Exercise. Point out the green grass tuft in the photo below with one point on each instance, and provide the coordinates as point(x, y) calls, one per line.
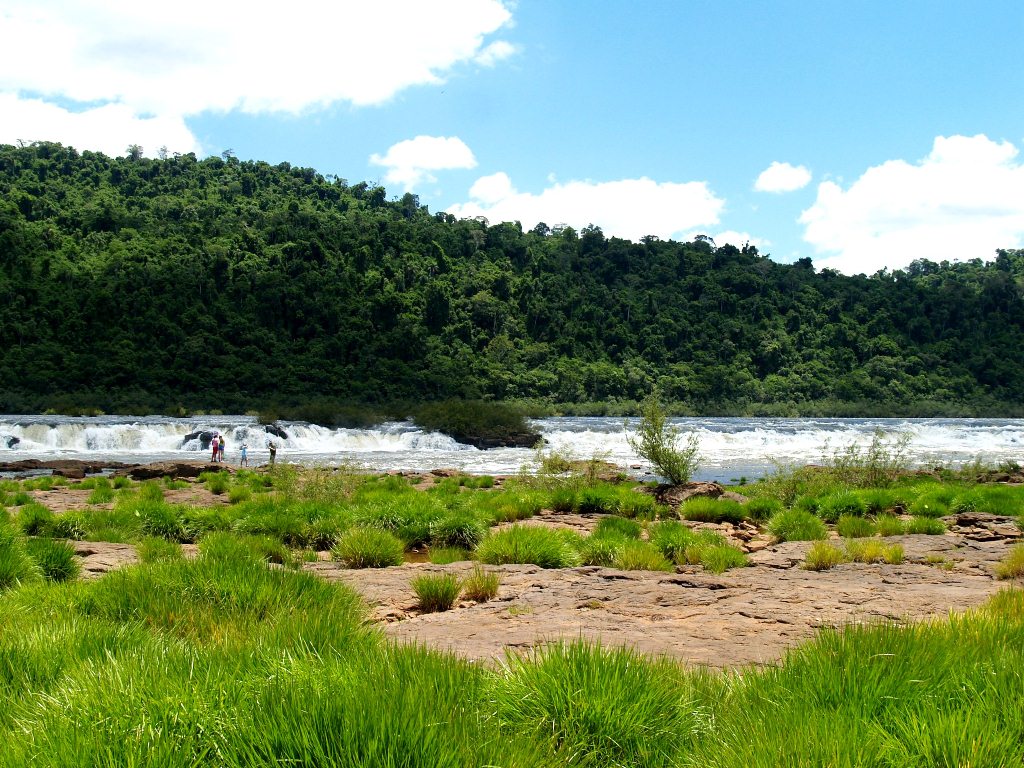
point(1012, 565)
point(797, 525)
point(481, 585)
point(823, 556)
point(528, 544)
point(368, 548)
point(56, 559)
point(436, 592)
point(850, 527)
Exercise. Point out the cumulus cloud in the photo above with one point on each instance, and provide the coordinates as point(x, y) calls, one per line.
point(110, 128)
point(409, 162)
point(782, 177)
point(962, 201)
point(174, 60)
point(629, 208)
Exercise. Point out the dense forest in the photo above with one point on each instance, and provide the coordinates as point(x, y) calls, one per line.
point(133, 284)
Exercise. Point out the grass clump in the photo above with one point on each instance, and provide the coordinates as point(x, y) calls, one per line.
point(436, 592)
point(760, 508)
point(35, 520)
point(640, 556)
point(368, 548)
point(889, 525)
point(874, 551)
point(153, 549)
point(823, 556)
point(708, 510)
point(56, 559)
point(70, 525)
point(1012, 565)
point(595, 706)
point(925, 525)
point(835, 505)
point(216, 482)
point(528, 544)
point(481, 585)
point(448, 555)
point(16, 566)
point(797, 525)
point(851, 527)
point(461, 530)
point(618, 526)
point(598, 499)
point(721, 557)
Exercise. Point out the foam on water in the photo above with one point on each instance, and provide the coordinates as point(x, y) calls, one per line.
point(730, 447)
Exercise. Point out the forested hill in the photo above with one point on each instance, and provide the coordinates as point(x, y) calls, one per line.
point(131, 283)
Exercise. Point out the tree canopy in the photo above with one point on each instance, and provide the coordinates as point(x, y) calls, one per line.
point(135, 283)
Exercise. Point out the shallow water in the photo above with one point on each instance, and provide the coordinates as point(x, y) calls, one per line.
point(730, 447)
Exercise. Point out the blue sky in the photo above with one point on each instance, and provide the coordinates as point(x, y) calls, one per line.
point(860, 134)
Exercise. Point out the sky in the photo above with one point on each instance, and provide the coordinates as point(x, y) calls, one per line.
point(863, 134)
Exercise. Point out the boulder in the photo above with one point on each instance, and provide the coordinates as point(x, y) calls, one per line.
point(9, 440)
point(203, 436)
point(273, 429)
point(173, 469)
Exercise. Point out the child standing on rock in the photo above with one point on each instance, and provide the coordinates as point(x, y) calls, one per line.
point(215, 447)
point(243, 459)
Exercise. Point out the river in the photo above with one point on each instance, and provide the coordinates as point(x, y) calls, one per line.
point(731, 448)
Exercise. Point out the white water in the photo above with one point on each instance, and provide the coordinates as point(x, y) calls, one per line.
point(730, 447)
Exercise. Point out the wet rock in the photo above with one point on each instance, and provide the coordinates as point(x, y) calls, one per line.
point(173, 469)
point(70, 468)
point(9, 440)
point(203, 436)
point(674, 495)
point(276, 431)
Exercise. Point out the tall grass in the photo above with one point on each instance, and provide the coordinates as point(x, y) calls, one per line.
point(528, 544)
point(436, 592)
point(796, 525)
point(368, 548)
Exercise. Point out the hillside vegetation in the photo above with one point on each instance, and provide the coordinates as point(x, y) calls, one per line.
point(133, 284)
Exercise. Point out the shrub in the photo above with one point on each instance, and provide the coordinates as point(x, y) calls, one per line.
point(368, 548)
point(710, 510)
point(797, 525)
point(460, 530)
point(889, 525)
point(823, 556)
point(447, 555)
point(843, 503)
point(35, 520)
point(436, 592)
point(528, 544)
point(851, 527)
point(56, 559)
point(640, 556)
point(153, 549)
point(762, 507)
point(1012, 565)
point(926, 525)
point(661, 443)
point(481, 585)
point(618, 526)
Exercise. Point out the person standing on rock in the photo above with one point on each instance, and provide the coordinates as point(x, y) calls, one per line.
point(220, 448)
point(273, 452)
point(214, 446)
point(243, 459)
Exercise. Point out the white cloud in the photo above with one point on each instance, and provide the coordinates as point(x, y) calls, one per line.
point(782, 177)
point(962, 201)
point(630, 208)
point(409, 162)
point(190, 56)
point(174, 60)
point(110, 128)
